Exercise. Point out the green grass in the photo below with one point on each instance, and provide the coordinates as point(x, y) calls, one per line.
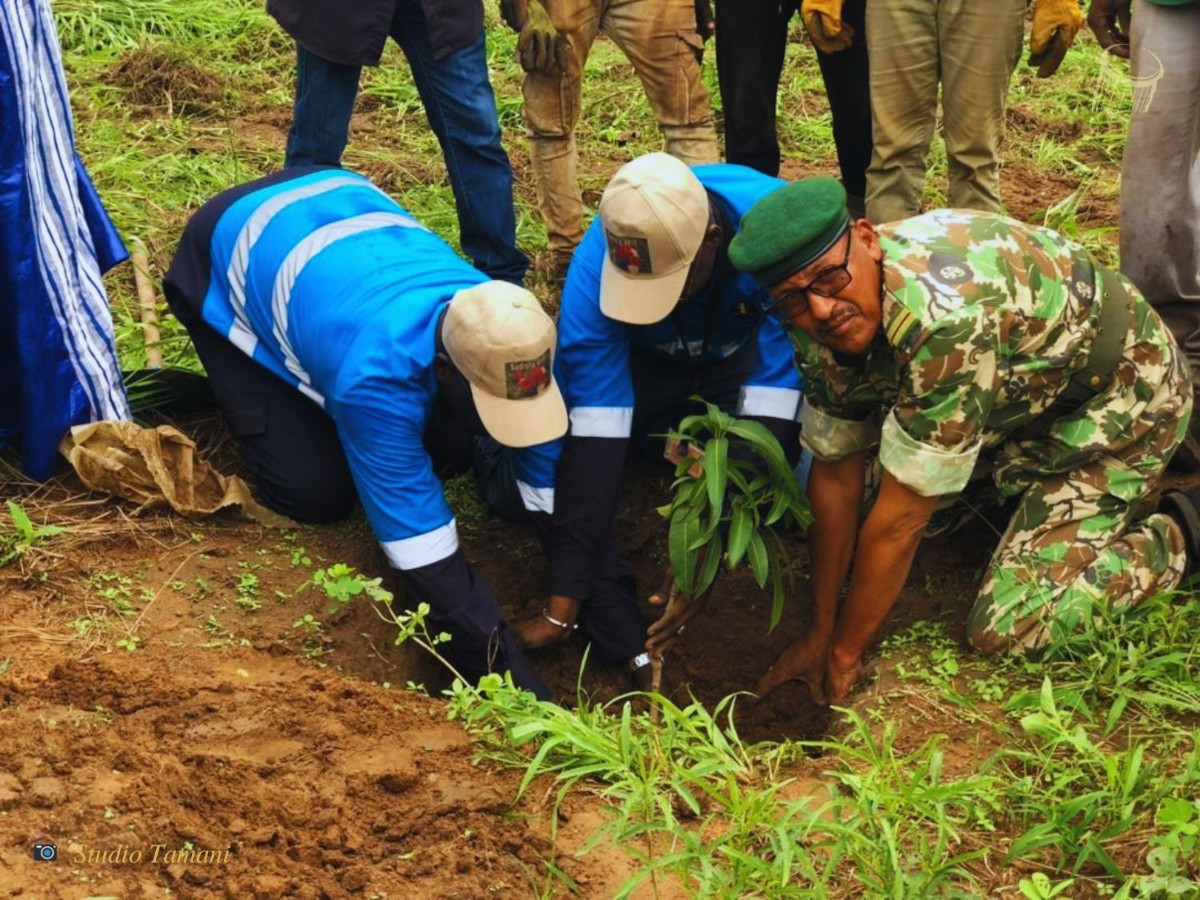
point(1092, 781)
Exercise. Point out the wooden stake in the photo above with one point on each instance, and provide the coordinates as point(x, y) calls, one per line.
point(147, 303)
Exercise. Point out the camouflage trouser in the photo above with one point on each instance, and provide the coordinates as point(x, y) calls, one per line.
point(1072, 548)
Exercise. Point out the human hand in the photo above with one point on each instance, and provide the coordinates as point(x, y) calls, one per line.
point(678, 611)
point(1055, 24)
point(705, 23)
point(514, 13)
point(553, 625)
point(806, 660)
point(823, 19)
point(1109, 21)
point(541, 47)
point(840, 677)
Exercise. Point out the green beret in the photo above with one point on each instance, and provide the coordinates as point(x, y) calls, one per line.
point(789, 228)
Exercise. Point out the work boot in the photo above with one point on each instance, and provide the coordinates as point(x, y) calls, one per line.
point(1184, 508)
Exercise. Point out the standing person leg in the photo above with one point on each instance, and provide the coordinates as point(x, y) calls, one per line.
point(325, 93)
point(751, 39)
point(659, 38)
point(902, 42)
point(1160, 179)
point(461, 108)
point(551, 109)
point(980, 46)
point(847, 77)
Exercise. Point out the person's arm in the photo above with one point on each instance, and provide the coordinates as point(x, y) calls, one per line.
point(835, 491)
point(930, 443)
point(380, 421)
point(592, 370)
point(886, 546)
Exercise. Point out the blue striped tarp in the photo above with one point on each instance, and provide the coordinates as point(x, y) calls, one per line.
point(58, 363)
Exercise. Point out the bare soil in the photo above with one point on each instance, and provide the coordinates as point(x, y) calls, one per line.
point(302, 754)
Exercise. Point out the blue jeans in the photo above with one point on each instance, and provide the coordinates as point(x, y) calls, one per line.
point(462, 113)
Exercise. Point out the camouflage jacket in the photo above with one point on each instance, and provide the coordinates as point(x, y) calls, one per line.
point(985, 319)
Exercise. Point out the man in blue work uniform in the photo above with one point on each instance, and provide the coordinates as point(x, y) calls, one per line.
point(652, 313)
point(340, 335)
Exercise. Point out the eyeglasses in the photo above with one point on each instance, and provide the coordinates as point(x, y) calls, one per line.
point(828, 283)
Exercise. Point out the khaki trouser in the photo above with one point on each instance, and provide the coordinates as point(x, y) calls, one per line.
point(1160, 180)
point(659, 38)
point(972, 46)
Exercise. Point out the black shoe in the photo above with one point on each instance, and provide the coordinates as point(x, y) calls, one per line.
point(1184, 508)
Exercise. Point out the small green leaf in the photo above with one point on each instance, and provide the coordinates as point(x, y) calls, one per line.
point(716, 454)
point(21, 522)
point(757, 551)
point(741, 527)
point(708, 569)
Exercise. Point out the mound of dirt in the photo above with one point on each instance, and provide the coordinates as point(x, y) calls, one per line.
point(251, 777)
point(163, 78)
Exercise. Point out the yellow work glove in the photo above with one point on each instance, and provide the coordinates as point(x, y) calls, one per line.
point(541, 47)
point(823, 19)
point(1055, 24)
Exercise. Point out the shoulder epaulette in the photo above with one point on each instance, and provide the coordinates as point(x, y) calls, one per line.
point(901, 326)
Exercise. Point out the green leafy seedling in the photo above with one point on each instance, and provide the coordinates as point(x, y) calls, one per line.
point(733, 510)
point(25, 534)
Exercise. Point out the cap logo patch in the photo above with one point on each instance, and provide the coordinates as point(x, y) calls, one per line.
point(527, 378)
point(629, 254)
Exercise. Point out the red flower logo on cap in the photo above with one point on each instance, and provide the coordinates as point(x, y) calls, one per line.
point(527, 378)
point(629, 254)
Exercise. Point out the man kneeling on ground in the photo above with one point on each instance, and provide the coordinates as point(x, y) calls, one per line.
point(950, 336)
point(343, 340)
point(652, 314)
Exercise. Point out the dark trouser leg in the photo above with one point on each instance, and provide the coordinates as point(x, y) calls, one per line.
point(751, 38)
point(325, 93)
point(662, 390)
point(288, 443)
point(609, 618)
point(847, 84)
point(461, 108)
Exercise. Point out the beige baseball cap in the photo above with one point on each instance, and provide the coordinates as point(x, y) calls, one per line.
point(501, 339)
point(654, 214)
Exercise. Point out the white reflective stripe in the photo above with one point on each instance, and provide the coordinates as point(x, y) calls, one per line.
point(602, 421)
point(770, 402)
point(243, 338)
point(301, 255)
point(239, 260)
point(536, 499)
point(422, 549)
point(312, 394)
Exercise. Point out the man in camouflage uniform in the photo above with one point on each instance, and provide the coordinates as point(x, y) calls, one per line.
point(941, 338)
